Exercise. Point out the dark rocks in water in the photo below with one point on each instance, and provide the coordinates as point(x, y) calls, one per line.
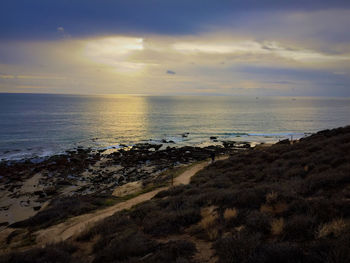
point(184, 135)
point(82, 150)
point(145, 147)
point(243, 145)
point(157, 146)
point(165, 141)
point(236, 145)
point(213, 138)
point(228, 144)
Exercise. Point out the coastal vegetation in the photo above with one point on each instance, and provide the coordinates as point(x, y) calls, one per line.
point(289, 202)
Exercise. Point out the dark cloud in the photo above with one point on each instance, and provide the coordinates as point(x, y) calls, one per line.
point(41, 18)
point(170, 72)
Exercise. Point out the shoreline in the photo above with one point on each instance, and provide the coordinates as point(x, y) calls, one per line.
point(28, 188)
point(36, 153)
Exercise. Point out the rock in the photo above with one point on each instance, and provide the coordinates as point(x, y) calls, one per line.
point(51, 190)
point(24, 203)
point(38, 193)
point(36, 208)
point(4, 224)
point(229, 144)
point(213, 138)
point(63, 182)
point(121, 179)
point(184, 135)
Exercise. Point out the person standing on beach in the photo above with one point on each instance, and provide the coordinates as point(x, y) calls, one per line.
point(212, 156)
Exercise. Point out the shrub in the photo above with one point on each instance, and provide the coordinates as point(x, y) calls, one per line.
point(279, 253)
point(230, 213)
point(239, 247)
point(274, 209)
point(124, 246)
point(57, 253)
point(277, 226)
point(271, 198)
point(299, 228)
point(179, 251)
point(258, 222)
point(160, 223)
point(115, 223)
point(334, 228)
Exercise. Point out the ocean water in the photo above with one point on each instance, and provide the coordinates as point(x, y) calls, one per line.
point(34, 125)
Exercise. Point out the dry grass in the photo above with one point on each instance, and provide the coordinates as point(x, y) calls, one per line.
point(271, 197)
point(213, 233)
point(274, 209)
point(335, 228)
point(230, 213)
point(277, 226)
point(239, 228)
point(208, 222)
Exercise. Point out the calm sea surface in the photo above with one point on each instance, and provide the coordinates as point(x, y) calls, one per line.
point(39, 125)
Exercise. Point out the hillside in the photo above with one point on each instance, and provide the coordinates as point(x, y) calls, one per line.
point(284, 203)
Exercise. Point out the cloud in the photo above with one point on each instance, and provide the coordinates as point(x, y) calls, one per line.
point(170, 72)
point(256, 48)
point(135, 65)
point(62, 32)
point(60, 29)
point(6, 76)
point(37, 18)
point(114, 51)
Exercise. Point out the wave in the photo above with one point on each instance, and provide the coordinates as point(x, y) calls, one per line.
point(244, 134)
point(107, 145)
point(35, 155)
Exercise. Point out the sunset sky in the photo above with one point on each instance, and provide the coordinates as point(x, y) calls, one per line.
point(182, 47)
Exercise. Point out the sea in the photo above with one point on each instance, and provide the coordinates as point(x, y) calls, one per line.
point(41, 125)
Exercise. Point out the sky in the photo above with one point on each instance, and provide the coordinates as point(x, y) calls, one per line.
point(183, 47)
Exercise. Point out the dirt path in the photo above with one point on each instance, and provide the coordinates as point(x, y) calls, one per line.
point(75, 225)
